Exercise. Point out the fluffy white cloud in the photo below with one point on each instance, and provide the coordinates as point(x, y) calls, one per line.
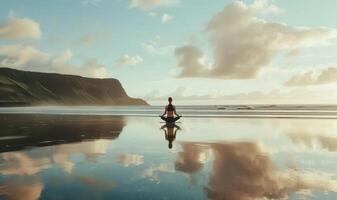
point(95, 69)
point(28, 57)
point(20, 28)
point(166, 18)
point(150, 4)
point(242, 44)
point(18, 56)
point(129, 60)
point(154, 48)
point(266, 7)
point(63, 59)
point(326, 76)
point(190, 58)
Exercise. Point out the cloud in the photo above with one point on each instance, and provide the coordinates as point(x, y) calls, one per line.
point(242, 44)
point(241, 170)
point(30, 58)
point(62, 64)
point(179, 94)
point(86, 40)
point(130, 159)
point(292, 96)
point(274, 96)
point(266, 7)
point(19, 56)
point(326, 76)
point(282, 96)
point(129, 60)
point(93, 68)
point(95, 36)
point(190, 59)
point(20, 28)
point(166, 18)
point(150, 4)
point(152, 47)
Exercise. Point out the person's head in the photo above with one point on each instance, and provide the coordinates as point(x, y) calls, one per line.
point(170, 99)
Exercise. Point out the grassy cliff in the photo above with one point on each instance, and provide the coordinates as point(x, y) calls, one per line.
point(35, 88)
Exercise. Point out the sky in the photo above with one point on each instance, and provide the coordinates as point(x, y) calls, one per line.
point(197, 51)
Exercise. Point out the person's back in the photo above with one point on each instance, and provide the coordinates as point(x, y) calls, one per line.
point(170, 108)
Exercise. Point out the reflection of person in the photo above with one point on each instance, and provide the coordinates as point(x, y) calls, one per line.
point(170, 111)
point(170, 133)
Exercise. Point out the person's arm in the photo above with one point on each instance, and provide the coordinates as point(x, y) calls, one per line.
point(165, 131)
point(175, 112)
point(175, 132)
point(164, 111)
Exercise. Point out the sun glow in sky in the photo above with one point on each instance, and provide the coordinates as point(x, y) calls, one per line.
point(198, 51)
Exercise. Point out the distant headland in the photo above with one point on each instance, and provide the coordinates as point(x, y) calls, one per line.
point(24, 88)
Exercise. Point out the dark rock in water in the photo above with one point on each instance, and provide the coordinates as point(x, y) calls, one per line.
point(244, 107)
point(221, 108)
point(236, 107)
point(35, 88)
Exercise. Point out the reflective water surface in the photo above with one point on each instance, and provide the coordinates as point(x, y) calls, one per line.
point(111, 157)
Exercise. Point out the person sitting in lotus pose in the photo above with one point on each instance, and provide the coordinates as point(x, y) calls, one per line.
point(170, 111)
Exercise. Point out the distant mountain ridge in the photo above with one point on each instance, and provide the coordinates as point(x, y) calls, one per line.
point(36, 88)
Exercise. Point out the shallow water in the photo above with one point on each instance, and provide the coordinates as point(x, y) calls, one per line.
point(129, 157)
point(210, 111)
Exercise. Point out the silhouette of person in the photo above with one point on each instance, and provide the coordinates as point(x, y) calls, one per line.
point(170, 131)
point(170, 111)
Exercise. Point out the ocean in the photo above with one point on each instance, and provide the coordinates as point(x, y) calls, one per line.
point(274, 111)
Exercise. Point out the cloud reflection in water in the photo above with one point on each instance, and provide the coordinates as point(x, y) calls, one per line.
point(241, 170)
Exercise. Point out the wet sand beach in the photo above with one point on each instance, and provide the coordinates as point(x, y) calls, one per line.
point(72, 156)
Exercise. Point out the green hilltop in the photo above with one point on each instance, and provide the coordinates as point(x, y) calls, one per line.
point(35, 88)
